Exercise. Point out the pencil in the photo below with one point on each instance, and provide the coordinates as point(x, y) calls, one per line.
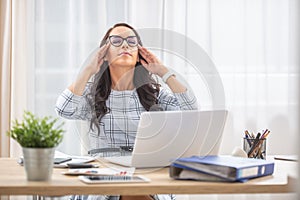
point(255, 149)
point(266, 135)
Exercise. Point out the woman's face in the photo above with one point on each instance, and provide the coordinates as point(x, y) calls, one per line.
point(123, 50)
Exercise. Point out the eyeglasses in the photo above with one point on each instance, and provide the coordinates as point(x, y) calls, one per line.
point(117, 41)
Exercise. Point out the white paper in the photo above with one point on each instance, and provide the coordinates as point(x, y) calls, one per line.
point(75, 159)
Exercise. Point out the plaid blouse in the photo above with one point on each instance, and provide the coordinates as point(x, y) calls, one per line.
point(119, 126)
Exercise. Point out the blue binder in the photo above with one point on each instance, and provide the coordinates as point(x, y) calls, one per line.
point(226, 167)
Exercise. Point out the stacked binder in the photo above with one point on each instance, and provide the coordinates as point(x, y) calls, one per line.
point(220, 168)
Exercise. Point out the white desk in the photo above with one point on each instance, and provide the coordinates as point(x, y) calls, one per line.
point(13, 182)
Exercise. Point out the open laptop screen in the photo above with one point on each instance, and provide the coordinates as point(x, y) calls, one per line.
point(168, 135)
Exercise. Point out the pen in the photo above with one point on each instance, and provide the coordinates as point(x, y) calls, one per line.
point(266, 135)
point(247, 133)
point(263, 135)
point(248, 140)
point(258, 149)
point(254, 146)
point(81, 165)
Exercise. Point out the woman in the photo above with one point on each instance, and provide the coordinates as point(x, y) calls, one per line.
point(122, 89)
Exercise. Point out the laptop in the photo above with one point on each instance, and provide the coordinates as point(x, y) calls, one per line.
point(167, 135)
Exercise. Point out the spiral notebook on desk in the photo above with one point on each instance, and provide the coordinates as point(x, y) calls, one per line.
point(165, 136)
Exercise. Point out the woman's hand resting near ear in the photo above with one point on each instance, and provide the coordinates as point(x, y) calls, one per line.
point(97, 60)
point(151, 62)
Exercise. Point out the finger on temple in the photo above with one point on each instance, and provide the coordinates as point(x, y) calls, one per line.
point(105, 47)
point(144, 63)
point(143, 50)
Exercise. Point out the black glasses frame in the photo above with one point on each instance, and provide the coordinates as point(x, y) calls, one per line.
point(129, 44)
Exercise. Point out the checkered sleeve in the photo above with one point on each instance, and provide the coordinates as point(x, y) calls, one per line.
point(71, 106)
point(177, 101)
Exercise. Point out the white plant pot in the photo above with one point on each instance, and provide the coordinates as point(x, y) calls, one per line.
point(38, 163)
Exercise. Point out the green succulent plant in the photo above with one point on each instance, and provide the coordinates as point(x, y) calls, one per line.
point(34, 132)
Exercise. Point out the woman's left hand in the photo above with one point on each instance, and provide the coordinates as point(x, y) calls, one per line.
point(152, 64)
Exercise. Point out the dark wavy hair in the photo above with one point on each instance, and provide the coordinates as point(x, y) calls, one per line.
point(146, 87)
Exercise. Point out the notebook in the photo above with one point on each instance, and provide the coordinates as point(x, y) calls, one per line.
point(165, 136)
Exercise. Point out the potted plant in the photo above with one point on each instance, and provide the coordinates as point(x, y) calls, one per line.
point(38, 137)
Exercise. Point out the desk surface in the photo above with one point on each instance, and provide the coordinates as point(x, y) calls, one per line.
point(13, 182)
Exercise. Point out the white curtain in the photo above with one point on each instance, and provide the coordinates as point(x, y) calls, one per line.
point(22, 62)
point(17, 69)
point(253, 44)
point(5, 74)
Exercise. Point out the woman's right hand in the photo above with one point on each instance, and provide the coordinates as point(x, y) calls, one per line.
point(97, 59)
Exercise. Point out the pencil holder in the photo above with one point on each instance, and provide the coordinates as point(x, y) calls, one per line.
point(255, 148)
